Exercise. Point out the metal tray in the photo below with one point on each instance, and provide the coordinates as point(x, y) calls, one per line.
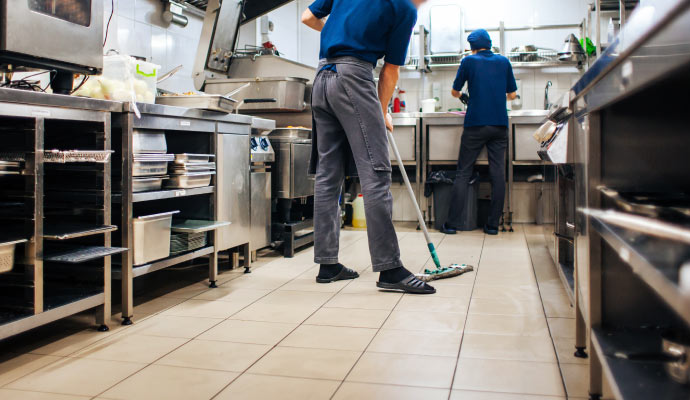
point(190, 180)
point(149, 142)
point(672, 207)
point(149, 168)
point(193, 167)
point(212, 102)
point(148, 184)
point(186, 158)
point(197, 226)
point(71, 156)
point(12, 156)
point(71, 231)
point(83, 254)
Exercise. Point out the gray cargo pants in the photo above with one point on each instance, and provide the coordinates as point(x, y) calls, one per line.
point(347, 116)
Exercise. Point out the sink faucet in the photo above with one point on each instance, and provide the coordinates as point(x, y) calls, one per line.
point(547, 103)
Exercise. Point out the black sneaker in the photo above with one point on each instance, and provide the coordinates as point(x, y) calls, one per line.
point(448, 230)
point(490, 230)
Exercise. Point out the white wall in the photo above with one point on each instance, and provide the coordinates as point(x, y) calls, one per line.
point(488, 14)
point(137, 29)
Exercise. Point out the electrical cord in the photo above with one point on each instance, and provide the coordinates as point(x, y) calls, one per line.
point(107, 27)
point(83, 81)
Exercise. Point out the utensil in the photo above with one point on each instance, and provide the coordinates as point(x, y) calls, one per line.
point(169, 74)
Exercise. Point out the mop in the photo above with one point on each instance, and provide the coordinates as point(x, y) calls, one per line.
point(429, 274)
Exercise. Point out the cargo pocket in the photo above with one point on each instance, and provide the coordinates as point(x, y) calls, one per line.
point(361, 92)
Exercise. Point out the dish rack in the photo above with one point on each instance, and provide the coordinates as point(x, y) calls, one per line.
point(184, 242)
point(62, 156)
point(537, 56)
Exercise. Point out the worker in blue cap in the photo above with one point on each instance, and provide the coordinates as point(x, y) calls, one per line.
point(491, 83)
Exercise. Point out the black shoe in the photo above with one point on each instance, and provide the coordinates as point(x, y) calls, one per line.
point(408, 285)
point(448, 230)
point(490, 230)
point(345, 273)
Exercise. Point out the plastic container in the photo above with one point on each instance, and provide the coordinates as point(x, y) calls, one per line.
point(359, 219)
point(429, 105)
point(124, 78)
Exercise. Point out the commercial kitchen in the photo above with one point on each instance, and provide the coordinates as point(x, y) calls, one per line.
point(157, 205)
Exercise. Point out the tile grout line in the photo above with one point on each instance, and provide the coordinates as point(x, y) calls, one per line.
point(467, 316)
point(377, 332)
point(289, 333)
point(553, 343)
point(190, 340)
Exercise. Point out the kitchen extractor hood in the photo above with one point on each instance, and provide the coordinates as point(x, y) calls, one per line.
point(252, 8)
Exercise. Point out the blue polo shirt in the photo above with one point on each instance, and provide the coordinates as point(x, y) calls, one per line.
point(489, 78)
point(366, 29)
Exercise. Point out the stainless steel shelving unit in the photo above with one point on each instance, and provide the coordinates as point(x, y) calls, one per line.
point(187, 131)
point(63, 268)
point(628, 289)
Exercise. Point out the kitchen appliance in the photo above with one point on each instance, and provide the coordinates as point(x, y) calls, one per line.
point(70, 39)
point(293, 188)
point(261, 155)
point(293, 152)
point(572, 50)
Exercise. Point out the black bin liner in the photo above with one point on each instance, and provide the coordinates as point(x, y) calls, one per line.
point(440, 185)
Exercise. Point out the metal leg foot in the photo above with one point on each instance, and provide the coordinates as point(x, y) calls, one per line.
point(419, 228)
point(127, 321)
point(594, 396)
point(212, 284)
point(247, 270)
point(103, 328)
point(580, 352)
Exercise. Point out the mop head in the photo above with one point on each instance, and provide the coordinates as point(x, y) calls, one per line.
point(444, 273)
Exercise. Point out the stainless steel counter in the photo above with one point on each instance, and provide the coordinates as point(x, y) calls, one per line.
point(57, 100)
point(181, 112)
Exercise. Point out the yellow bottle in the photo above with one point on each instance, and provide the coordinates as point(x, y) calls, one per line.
point(358, 218)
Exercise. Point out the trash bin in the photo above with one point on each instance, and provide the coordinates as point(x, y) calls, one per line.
point(440, 184)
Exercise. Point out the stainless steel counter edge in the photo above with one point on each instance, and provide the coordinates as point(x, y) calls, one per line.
point(181, 112)
point(57, 100)
point(516, 117)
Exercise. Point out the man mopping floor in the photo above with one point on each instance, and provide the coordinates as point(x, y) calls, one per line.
point(350, 121)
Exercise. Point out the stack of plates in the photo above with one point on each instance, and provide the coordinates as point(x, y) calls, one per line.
point(184, 242)
point(191, 171)
point(10, 167)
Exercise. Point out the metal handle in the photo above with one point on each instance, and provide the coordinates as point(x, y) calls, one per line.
point(249, 101)
point(169, 74)
point(642, 225)
point(569, 225)
point(235, 91)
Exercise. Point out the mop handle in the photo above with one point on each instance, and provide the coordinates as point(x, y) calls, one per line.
point(420, 217)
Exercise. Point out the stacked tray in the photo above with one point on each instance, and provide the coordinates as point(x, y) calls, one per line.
point(191, 171)
point(184, 242)
point(10, 167)
point(149, 171)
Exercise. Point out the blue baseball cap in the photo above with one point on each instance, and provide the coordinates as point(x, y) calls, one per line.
point(479, 39)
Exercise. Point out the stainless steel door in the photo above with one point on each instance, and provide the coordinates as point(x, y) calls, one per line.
point(405, 138)
point(525, 146)
point(233, 189)
point(302, 183)
point(444, 143)
point(260, 210)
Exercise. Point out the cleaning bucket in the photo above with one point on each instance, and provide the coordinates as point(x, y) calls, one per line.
point(358, 218)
